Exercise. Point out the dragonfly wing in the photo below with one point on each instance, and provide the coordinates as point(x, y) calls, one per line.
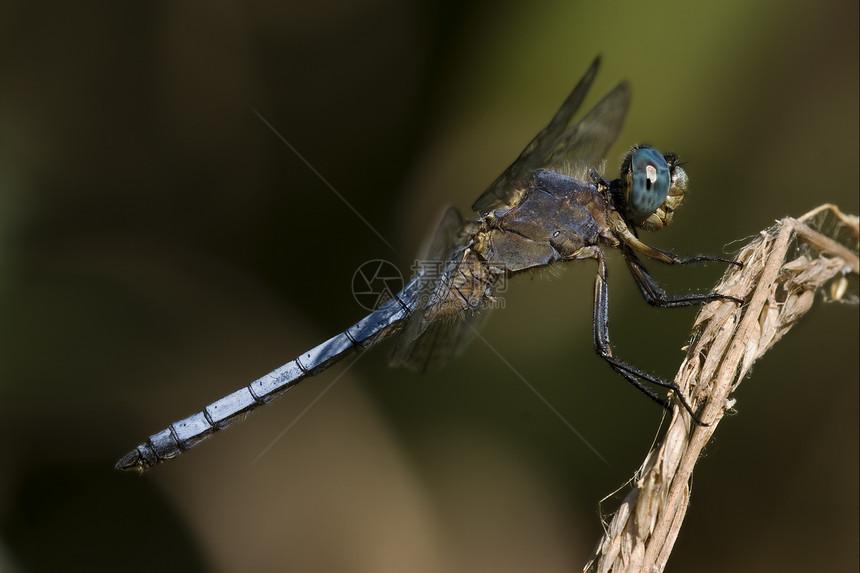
point(431, 268)
point(562, 146)
point(530, 158)
point(585, 144)
point(449, 235)
point(439, 341)
point(427, 342)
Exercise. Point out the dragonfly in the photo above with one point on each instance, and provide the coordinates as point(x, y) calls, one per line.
point(551, 205)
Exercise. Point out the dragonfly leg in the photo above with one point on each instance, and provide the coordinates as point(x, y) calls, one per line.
point(631, 243)
point(656, 296)
point(604, 348)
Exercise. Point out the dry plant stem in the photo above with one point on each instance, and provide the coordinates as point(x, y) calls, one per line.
point(727, 340)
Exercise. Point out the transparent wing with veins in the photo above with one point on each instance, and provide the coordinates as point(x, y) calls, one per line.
point(562, 146)
point(427, 342)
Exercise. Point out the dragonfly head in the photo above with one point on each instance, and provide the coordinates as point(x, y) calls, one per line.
point(653, 187)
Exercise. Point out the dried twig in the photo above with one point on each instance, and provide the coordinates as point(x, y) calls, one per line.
point(783, 269)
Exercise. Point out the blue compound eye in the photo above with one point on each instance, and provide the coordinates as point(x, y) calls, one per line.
point(650, 179)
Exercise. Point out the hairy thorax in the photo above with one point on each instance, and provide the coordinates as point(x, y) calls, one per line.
point(551, 220)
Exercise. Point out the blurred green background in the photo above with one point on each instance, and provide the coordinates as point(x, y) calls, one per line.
point(160, 247)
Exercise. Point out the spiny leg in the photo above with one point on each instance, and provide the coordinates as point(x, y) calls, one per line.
point(656, 296)
point(604, 348)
